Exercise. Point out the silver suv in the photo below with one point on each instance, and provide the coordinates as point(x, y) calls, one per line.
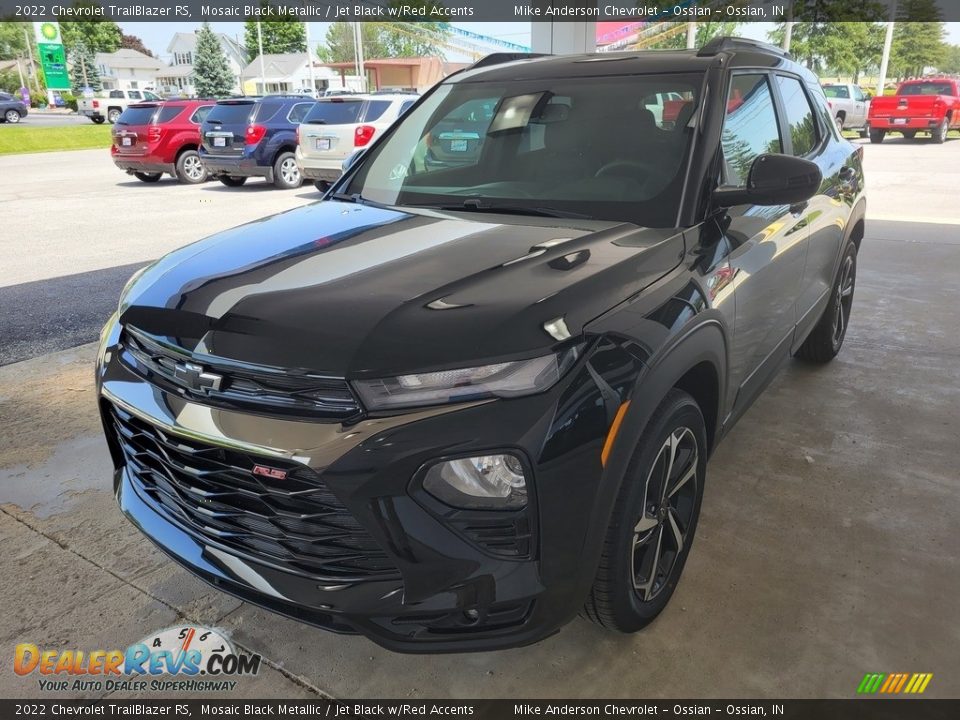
point(337, 126)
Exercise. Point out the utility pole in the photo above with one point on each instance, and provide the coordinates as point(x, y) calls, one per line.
point(33, 66)
point(313, 82)
point(263, 73)
point(885, 58)
point(691, 35)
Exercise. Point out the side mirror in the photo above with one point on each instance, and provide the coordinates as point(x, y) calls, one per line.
point(774, 179)
point(350, 159)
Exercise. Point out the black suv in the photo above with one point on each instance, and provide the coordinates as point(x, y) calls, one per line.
point(254, 137)
point(455, 404)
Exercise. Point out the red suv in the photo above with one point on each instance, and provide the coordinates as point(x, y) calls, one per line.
point(153, 138)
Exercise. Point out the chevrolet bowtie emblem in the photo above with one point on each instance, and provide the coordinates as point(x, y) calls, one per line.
point(196, 378)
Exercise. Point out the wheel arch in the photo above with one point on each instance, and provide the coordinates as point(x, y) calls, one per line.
point(186, 146)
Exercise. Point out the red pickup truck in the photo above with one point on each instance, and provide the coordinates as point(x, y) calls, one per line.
point(931, 105)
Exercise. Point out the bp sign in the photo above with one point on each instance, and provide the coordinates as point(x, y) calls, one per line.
point(52, 57)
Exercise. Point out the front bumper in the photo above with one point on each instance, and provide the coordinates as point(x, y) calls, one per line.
point(449, 593)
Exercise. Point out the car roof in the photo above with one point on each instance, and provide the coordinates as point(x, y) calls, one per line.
point(731, 52)
point(369, 96)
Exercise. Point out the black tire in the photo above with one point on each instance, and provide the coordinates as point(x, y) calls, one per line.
point(322, 185)
point(939, 135)
point(876, 136)
point(838, 121)
point(825, 340)
point(113, 115)
point(189, 169)
point(232, 180)
point(148, 177)
point(12, 116)
point(626, 596)
point(864, 132)
point(99, 120)
point(909, 134)
point(286, 174)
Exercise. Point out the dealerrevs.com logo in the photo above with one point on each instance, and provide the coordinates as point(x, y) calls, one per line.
point(189, 658)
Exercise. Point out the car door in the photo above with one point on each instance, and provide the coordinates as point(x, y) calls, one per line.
point(860, 107)
point(768, 243)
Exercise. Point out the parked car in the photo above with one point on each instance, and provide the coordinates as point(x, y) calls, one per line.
point(153, 138)
point(848, 105)
point(250, 137)
point(337, 126)
point(450, 408)
point(12, 108)
point(109, 107)
point(930, 105)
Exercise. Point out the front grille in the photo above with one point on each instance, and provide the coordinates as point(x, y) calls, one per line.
point(267, 390)
point(295, 523)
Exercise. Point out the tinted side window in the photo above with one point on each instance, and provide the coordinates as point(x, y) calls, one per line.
point(750, 128)
point(375, 109)
point(167, 114)
point(857, 93)
point(266, 110)
point(200, 114)
point(135, 94)
point(298, 112)
point(116, 94)
point(803, 126)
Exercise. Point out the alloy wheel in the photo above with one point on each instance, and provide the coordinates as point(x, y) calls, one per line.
point(192, 167)
point(660, 535)
point(839, 121)
point(844, 300)
point(12, 116)
point(289, 171)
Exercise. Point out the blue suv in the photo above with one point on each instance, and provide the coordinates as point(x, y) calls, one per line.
point(254, 137)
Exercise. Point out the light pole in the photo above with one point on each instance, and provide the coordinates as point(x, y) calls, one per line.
point(263, 73)
point(887, 44)
point(313, 82)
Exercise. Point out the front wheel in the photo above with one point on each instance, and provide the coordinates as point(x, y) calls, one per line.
point(825, 340)
point(838, 120)
point(654, 521)
point(322, 185)
point(148, 177)
point(939, 136)
point(876, 136)
point(286, 174)
point(99, 119)
point(232, 180)
point(12, 116)
point(189, 169)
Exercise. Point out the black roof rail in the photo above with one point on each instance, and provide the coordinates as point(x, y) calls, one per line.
point(504, 57)
point(732, 44)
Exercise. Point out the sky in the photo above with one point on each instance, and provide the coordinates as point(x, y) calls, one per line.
point(157, 35)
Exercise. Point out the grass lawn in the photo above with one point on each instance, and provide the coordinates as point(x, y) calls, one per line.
point(15, 139)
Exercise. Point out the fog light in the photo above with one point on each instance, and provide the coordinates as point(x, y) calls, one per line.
point(486, 482)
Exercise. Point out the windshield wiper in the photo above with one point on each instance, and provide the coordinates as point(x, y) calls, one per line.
point(475, 206)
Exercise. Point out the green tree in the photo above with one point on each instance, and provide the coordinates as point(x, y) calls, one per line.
point(99, 36)
point(340, 46)
point(83, 70)
point(847, 48)
point(951, 63)
point(917, 45)
point(384, 40)
point(279, 36)
point(211, 72)
point(707, 30)
point(13, 40)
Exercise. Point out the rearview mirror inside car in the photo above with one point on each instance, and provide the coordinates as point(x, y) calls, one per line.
point(774, 179)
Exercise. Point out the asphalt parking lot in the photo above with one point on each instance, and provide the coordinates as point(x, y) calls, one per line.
point(827, 547)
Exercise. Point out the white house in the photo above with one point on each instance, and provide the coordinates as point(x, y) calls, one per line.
point(287, 73)
point(128, 69)
point(178, 78)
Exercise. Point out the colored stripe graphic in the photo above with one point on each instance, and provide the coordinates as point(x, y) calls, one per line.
point(894, 683)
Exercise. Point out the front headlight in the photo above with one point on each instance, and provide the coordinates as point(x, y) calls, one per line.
point(488, 482)
point(509, 379)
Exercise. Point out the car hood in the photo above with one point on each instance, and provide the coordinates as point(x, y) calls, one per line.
point(361, 290)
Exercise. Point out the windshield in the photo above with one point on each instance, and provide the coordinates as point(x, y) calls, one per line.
point(610, 148)
point(334, 112)
point(135, 115)
point(232, 113)
point(926, 88)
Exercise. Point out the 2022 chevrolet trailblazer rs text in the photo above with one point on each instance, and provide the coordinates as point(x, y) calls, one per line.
point(451, 406)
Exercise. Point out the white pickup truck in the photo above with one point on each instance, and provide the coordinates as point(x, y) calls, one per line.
point(848, 105)
point(112, 104)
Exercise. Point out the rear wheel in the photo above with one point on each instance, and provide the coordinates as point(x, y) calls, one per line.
point(189, 168)
point(148, 177)
point(322, 185)
point(113, 115)
point(232, 180)
point(286, 174)
point(939, 135)
point(876, 136)
point(838, 120)
point(655, 519)
point(12, 116)
point(826, 339)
